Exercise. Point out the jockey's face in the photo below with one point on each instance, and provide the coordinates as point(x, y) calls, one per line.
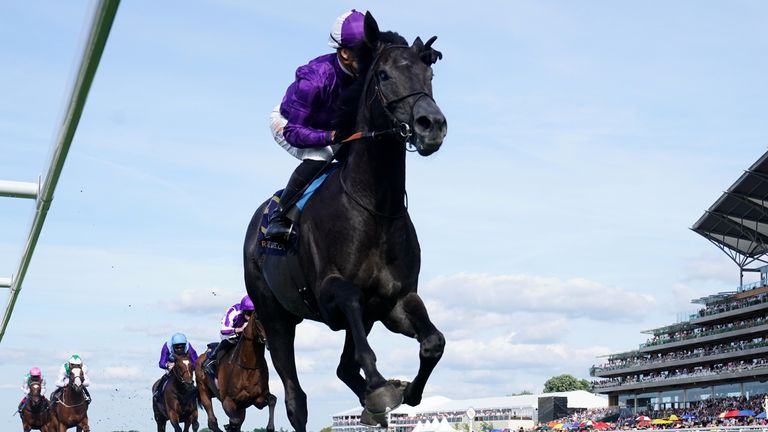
point(35, 378)
point(247, 314)
point(348, 59)
point(178, 349)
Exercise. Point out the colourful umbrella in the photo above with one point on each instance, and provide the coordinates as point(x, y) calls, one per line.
point(674, 418)
point(660, 422)
point(730, 414)
point(643, 419)
point(601, 425)
point(746, 413)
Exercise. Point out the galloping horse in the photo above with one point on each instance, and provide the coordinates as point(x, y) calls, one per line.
point(179, 397)
point(71, 409)
point(36, 413)
point(358, 254)
point(243, 381)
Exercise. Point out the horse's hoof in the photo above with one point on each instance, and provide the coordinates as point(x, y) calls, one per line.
point(383, 400)
point(369, 419)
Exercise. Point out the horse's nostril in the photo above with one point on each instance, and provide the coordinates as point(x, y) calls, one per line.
point(424, 122)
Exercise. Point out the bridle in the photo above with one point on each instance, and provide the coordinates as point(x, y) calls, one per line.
point(400, 129)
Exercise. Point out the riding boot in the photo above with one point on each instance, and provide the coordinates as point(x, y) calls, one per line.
point(21, 405)
point(87, 395)
point(210, 362)
point(280, 228)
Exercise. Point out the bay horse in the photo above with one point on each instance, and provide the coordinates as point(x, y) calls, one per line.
point(242, 381)
point(71, 408)
point(179, 397)
point(358, 255)
point(37, 413)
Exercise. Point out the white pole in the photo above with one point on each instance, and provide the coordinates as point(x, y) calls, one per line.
point(16, 189)
point(94, 47)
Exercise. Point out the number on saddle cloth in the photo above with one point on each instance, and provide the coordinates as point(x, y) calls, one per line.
point(273, 206)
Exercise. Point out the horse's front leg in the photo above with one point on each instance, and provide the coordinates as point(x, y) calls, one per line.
point(236, 415)
point(173, 416)
point(348, 370)
point(410, 317)
point(380, 396)
point(270, 401)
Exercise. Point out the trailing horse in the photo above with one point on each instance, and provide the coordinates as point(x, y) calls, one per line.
point(36, 413)
point(242, 381)
point(71, 408)
point(177, 401)
point(357, 259)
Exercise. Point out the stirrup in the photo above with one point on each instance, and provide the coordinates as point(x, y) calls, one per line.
point(280, 230)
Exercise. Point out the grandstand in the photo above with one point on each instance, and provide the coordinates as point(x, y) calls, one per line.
point(507, 412)
point(719, 352)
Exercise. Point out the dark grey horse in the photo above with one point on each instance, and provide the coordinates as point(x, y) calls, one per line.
point(358, 257)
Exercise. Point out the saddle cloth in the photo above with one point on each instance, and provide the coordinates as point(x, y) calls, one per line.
point(273, 205)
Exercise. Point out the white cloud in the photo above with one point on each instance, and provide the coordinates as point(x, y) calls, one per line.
point(495, 295)
point(711, 267)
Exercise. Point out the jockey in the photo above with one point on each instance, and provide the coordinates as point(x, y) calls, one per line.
point(63, 380)
point(232, 326)
point(34, 376)
point(177, 345)
point(302, 123)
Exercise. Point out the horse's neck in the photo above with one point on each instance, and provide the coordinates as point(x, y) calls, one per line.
point(246, 352)
point(375, 171)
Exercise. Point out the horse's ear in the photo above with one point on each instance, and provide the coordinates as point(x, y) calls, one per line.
point(418, 45)
point(371, 31)
point(428, 54)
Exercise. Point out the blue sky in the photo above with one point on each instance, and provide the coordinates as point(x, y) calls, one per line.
point(584, 139)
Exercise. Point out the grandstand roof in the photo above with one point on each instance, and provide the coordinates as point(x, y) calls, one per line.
point(737, 222)
point(576, 399)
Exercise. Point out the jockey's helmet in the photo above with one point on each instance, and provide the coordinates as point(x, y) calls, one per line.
point(246, 304)
point(35, 372)
point(75, 360)
point(178, 338)
point(347, 30)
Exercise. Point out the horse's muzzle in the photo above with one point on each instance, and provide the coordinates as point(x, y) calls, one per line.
point(429, 126)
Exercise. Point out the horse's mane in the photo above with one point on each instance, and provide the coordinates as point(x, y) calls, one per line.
point(349, 103)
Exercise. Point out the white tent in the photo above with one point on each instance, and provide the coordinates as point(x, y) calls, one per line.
point(419, 427)
point(444, 426)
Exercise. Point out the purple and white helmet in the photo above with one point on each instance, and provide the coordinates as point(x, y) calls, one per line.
point(347, 30)
point(246, 304)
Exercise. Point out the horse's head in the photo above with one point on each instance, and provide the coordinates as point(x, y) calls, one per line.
point(399, 83)
point(183, 370)
point(34, 393)
point(76, 377)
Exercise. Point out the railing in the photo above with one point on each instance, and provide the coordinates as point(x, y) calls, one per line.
point(752, 323)
point(707, 373)
point(43, 193)
point(744, 347)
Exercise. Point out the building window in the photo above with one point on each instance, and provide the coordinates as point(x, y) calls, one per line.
point(672, 399)
point(725, 390)
point(755, 387)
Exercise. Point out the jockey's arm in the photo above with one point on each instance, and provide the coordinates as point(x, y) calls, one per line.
point(301, 105)
point(86, 379)
point(62, 379)
point(25, 386)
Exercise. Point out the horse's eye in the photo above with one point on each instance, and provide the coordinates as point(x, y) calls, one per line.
point(383, 76)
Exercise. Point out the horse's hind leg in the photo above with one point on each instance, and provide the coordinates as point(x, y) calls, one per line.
point(410, 317)
point(348, 370)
